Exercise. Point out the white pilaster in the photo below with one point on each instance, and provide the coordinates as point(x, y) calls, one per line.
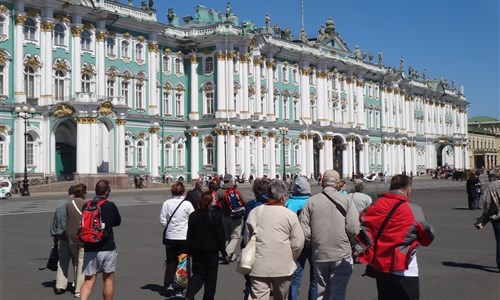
point(231, 151)
point(153, 152)
point(221, 152)
point(93, 146)
point(20, 96)
point(247, 168)
point(230, 85)
point(194, 114)
point(304, 95)
point(272, 154)
point(221, 86)
point(259, 159)
point(195, 154)
point(303, 154)
point(46, 54)
point(120, 142)
point(244, 90)
point(256, 63)
point(76, 74)
point(271, 114)
point(360, 104)
point(101, 74)
point(310, 156)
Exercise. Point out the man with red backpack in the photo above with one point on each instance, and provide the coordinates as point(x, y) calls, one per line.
point(100, 252)
point(229, 199)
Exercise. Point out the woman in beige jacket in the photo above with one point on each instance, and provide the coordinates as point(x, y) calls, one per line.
point(280, 240)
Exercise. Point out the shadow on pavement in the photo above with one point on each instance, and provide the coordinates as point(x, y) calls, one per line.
point(154, 288)
point(463, 208)
point(470, 266)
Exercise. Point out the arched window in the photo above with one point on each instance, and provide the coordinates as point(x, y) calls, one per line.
point(128, 153)
point(285, 107)
point(30, 150)
point(209, 64)
point(139, 93)
point(180, 155)
point(86, 83)
point(178, 66)
point(296, 154)
point(2, 25)
point(141, 159)
point(29, 82)
point(126, 92)
point(210, 154)
point(295, 77)
point(110, 86)
point(139, 51)
point(168, 154)
point(110, 46)
point(59, 35)
point(2, 80)
point(125, 49)
point(29, 30)
point(284, 74)
point(59, 85)
point(210, 102)
point(166, 63)
point(86, 40)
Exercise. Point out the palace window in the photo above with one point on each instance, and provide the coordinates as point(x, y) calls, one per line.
point(141, 161)
point(210, 154)
point(110, 46)
point(59, 35)
point(295, 76)
point(139, 52)
point(178, 66)
point(285, 108)
point(284, 74)
point(168, 154)
point(139, 93)
point(295, 109)
point(180, 155)
point(86, 83)
point(167, 102)
point(59, 85)
point(3, 147)
point(126, 92)
point(178, 105)
point(210, 103)
point(287, 154)
point(86, 40)
point(128, 153)
point(209, 65)
point(125, 49)
point(110, 86)
point(296, 154)
point(29, 150)
point(2, 25)
point(29, 82)
point(29, 30)
point(166, 64)
point(2, 80)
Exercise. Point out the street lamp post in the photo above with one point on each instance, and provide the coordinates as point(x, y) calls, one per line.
point(352, 139)
point(27, 113)
point(224, 126)
point(284, 131)
point(404, 142)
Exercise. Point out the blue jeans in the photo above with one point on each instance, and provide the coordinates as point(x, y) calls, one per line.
point(332, 278)
point(496, 231)
point(297, 277)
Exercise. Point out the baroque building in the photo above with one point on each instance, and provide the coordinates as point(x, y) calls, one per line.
point(484, 142)
point(118, 93)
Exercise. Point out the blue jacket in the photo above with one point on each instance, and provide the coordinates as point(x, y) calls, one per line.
point(296, 202)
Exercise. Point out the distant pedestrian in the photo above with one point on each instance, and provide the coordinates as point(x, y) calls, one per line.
point(392, 228)
point(491, 211)
point(341, 187)
point(194, 195)
point(473, 187)
point(330, 223)
point(205, 239)
point(360, 199)
point(101, 257)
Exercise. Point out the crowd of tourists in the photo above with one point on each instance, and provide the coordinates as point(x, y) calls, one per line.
point(286, 225)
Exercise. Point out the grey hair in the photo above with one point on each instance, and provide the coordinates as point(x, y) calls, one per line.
point(359, 187)
point(332, 182)
point(277, 189)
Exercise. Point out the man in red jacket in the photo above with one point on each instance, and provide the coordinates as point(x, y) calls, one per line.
point(391, 247)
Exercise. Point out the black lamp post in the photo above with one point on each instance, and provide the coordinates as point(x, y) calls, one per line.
point(25, 113)
point(352, 139)
point(404, 142)
point(224, 126)
point(284, 131)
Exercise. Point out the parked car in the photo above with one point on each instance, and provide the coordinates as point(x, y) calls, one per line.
point(5, 189)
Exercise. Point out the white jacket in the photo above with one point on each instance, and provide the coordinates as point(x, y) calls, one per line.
point(177, 229)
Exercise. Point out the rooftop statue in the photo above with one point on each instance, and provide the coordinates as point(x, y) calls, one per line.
point(228, 10)
point(151, 3)
point(268, 21)
point(370, 56)
point(401, 63)
point(364, 54)
point(380, 57)
point(357, 53)
point(277, 30)
point(144, 6)
point(170, 15)
point(330, 26)
point(303, 36)
point(424, 75)
point(287, 34)
point(321, 34)
point(453, 87)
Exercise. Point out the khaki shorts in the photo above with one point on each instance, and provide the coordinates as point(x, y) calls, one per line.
point(99, 262)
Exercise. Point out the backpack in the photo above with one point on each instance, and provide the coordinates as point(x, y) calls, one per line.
point(91, 227)
point(235, 204)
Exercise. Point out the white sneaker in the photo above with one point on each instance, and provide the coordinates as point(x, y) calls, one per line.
point(77, 295)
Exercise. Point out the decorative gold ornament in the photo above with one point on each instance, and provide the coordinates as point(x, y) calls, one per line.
point(33, 13)
point(153, 47)
point(220, 56)
point(47, 26)
point(154, 130)
point(101, 36)
point(105, 109)
point(33, 61)
point(63, 17)
point(193, 59)
point(76, 31)
point(20, 19)
point(140, 38)
point(126, 36)
point(63, 109)
point(88, 26)
point(121, 122)
point(3, 9)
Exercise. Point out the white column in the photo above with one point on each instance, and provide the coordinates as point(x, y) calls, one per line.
point(101, 67)
point(322, 109)
point(221, 86)
point(256, 63)
point(310, 156)
point(361, 103)
point(345, 161)
point(366, 157)
point(303, 153)
point(93, 146)
point(46, 53)
point(83, 145)
point(259, 159)
point(230, 85)
point(383, 113)
point(383, 157)
point(120, 146)
point(328, 153)
point(194, 114)
point(195, 153)
point(322, 159)
point(76, 63)
point(304, 95)
point(231, 151)
point(20, 96)
point(220, 152)
point(247, 168)
point(153, 151)
point(244, 110)
point(272, 154)
point(350, 101)
point(154, 107)
point(271, 114)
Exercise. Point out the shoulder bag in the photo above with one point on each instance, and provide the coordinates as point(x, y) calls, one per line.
point(164, 240)
point(247, 255)
point(370, 271)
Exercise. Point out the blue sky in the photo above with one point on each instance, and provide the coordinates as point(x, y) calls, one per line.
point(457, 39)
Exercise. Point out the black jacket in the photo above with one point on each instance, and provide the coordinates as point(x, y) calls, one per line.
point(206, 231)
point(194, 196)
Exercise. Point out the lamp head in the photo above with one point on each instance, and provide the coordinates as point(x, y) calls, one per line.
point(17, 109)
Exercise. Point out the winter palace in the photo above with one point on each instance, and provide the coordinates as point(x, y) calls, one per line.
point(102, 88)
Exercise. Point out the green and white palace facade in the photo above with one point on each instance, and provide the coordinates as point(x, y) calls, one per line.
point(118, 93)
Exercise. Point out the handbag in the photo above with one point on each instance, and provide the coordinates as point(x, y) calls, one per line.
point(164, 239)
point(181, 273)
point(247, 255)
point(369, 270)
point(53, 257)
